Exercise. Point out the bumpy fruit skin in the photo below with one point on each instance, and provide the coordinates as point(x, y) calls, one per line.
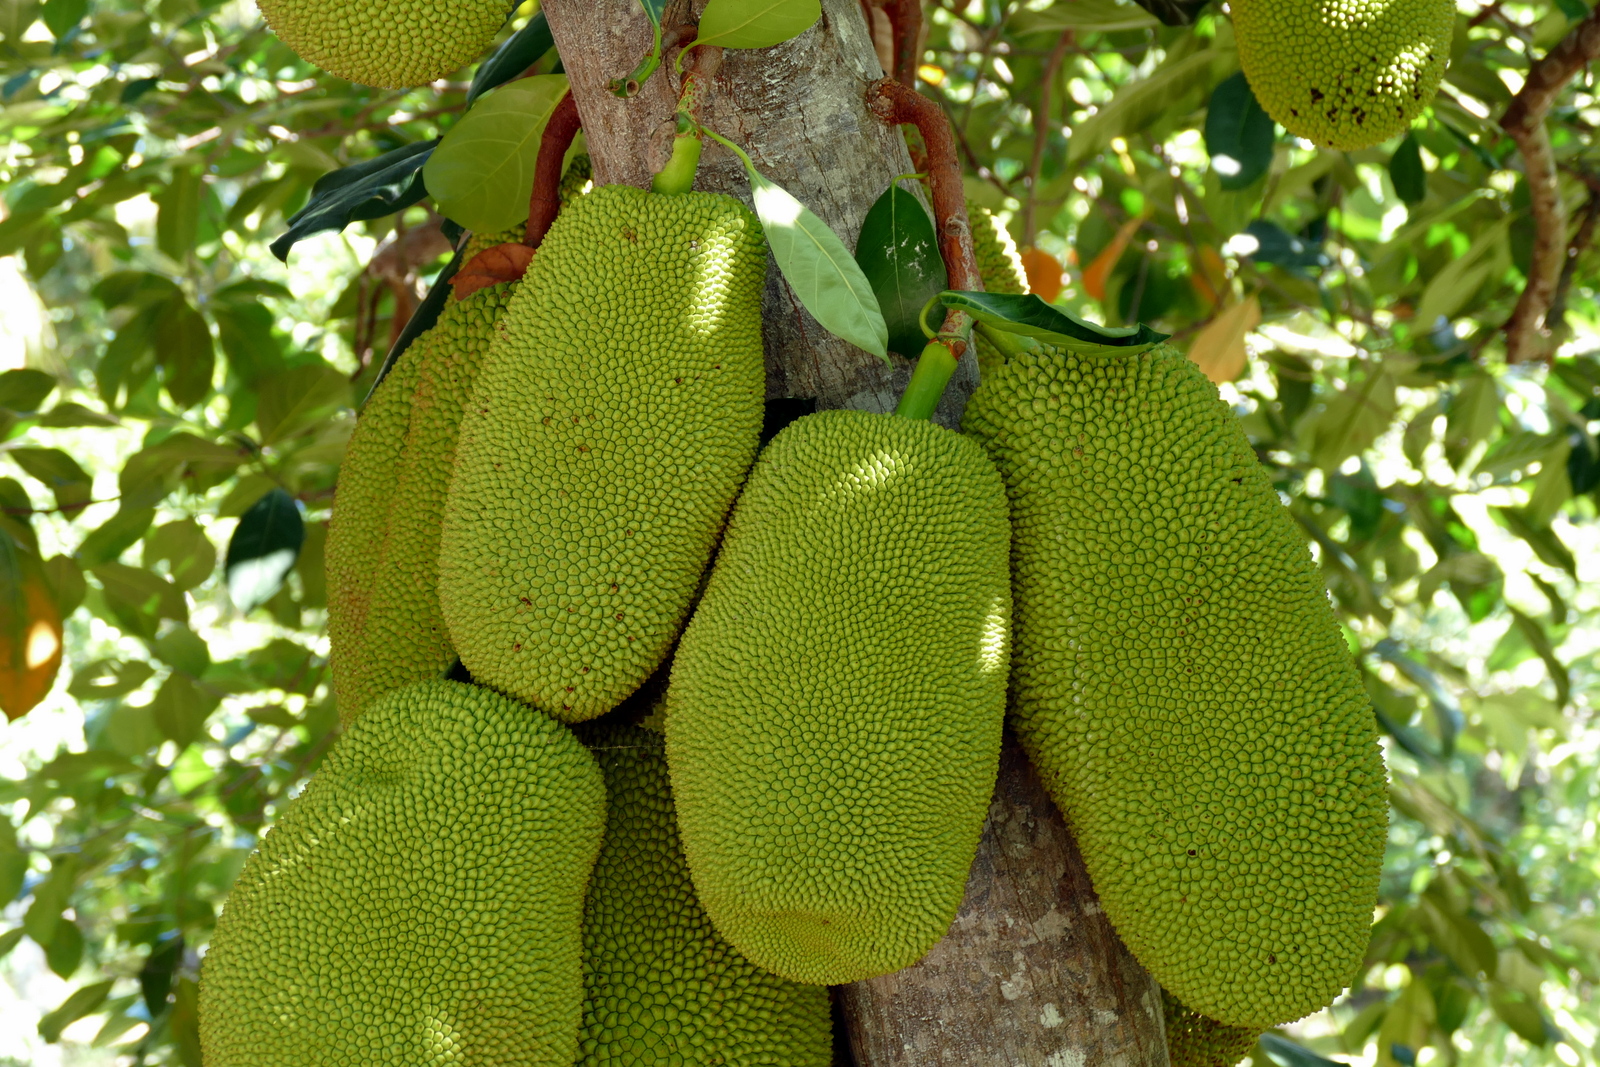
point(661, 987)
point(1344, 73)
point(1182, 685)
point(1195, 1041)
point(998, 261)
point(608, 432)
point(392, 46)
point(384, 622)
point(420, 902)
point(833, 720)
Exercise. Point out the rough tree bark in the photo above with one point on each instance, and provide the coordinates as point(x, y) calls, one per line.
point(1031, 973)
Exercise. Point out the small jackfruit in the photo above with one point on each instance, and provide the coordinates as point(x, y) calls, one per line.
point(614, 418)
point(1344, 73)
point(833, 718)
point(661, 986)
point(384, 622)
point(998, 261)
point(391, 46)
point(1195, 1041)
point(1181, 683)
point(420, 902)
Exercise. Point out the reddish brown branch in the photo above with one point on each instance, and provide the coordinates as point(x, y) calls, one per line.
point(895, 104)
point(1527, 330)
point(545, 202)
point(906, 18)
point(1041, 129)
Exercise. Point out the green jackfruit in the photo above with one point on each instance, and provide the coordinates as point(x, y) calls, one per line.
point(1195, 1041)
point(420, 902)
point(1344, 73)
point(1182, 685)
point(998, 261)
point(384, 622)
point(392, 46)
point(833, 719)
point(661, 986)
point(613, 421)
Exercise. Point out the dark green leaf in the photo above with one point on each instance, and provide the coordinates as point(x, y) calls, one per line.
point(61, 16)
point(1275, 245)
point(138, 288)
point(248, 340)
point(159, 970)
point(82, 1002)
point(178, 214)
point(25, 390)
point(106, 679)
point(1407, 173)
point(1174, 12)
point(1286, 1053)
point(1447, 712)
point(65, 950)
point(1238, 134)
point(898, 251)
point(263, 548)
point(367, 190)
point(1521, 1014)
point(1583, 462)
point(184, 353)
point(516, 55)
point(1029, 316)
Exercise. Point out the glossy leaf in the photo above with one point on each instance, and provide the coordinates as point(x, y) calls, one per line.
point(515, 55)
point(481, 175)
point(1028, 316)
point(756, 23)
point(1238, 134)
point(366, 190)
point(1407, 173)
point(263, 548)
point(898, 252)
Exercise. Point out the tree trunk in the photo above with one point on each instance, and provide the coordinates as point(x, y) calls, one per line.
point(1031, 972)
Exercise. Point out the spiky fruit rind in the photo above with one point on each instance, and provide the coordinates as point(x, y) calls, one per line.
point(608, 432)
point(833, 720)
point(420, 902)
point(391, 46)
point(661, 985)
point(1182, 684)
point(1345, 74)
point(1195, 1041)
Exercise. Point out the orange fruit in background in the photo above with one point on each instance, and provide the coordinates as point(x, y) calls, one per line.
point(1044, 273)
point(30, 647)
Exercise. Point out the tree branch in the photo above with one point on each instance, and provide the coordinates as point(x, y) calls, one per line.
point(1527, 330)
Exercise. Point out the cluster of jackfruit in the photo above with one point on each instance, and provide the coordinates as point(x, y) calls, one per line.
point(1344, 73)
point(391, 46)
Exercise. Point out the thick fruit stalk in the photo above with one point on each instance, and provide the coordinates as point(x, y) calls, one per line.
point(1182, 684)
point(661, 986)
point(614, 419)
point(833, 720)
point(420, 902)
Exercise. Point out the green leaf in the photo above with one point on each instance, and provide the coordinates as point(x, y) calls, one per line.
point(296, 399)
point(61, 16)
point(1456, 282)
point(139, 600)
point(178, 213)
point(1274, 244)
point(183, 650)
point(71, 484)
point(481, 175)
point(115, 536)
point(367, 190)
point(1238, 134)
point(824, 276)
point(65, 950)
point(107, 679)
point(518, 53)
point(186, 550)
point(1085, 16)
point(50, 897)
point(159, 971)
point(898, 252)
point(82, 1002)
point(25, 390)
point(71, 413)
point(1138, 104)
point(756, 23)
point(1286, 1053)
point(1521, 1014)
point(263, 548)
point(183, 353)
point(15, 18)
point(1029, 316)
point(9, 940)
point(181, 708)
point(1407, 173)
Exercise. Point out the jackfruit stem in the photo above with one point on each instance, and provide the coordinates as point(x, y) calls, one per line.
point(678, 175)
point(927, 383)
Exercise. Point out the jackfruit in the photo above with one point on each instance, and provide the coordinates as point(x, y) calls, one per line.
point(391, 46)
point(998, 261)
point(420, 902)
point(384, 622)
point(661, 986)
point(1344, 73)
point(1195, 1041)
point(1181, 683)
point(614, 418)
point(833, 718)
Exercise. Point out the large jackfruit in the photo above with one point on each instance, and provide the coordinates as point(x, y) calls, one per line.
point(833, 719)
point(1344, 73)
point(1182, 685)
point(1195, 1041)
point(661, 986)
point(420, 902)
point(384, 622)
point(392, 46)
point(608, 433)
